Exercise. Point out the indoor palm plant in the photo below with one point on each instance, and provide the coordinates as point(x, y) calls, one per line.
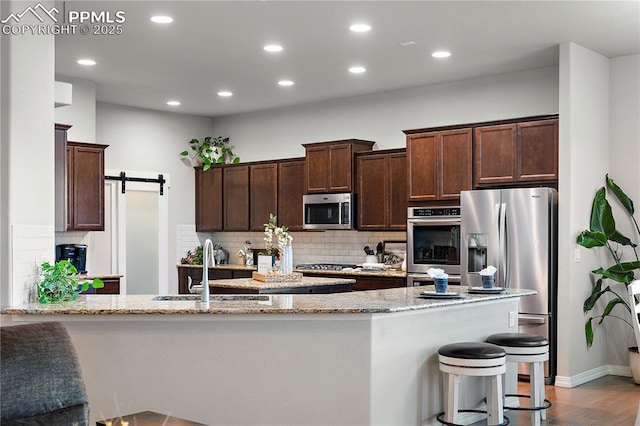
point(209, 151)
point(60, 282)
point(602, 232)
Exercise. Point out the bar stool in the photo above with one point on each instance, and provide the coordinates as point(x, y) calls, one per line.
point(532, 349)
point(472, 359)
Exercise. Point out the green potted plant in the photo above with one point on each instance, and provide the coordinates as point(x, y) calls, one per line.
point(209, 151)
point(602, 232)
point(60, 282)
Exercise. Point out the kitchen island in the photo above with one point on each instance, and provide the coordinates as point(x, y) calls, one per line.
point(344, 358)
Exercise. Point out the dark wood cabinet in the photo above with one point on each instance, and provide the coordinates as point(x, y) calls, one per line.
point(382, 190)
point(516, 153)
point(111, 286)
point(329, 165)
point(79, 183)
point(291, 188)
point(366, 282)
point(235, 197)
point(439, 164)
point(85, 186)
point(208, 199)
point(195, 274)
point(263, 190)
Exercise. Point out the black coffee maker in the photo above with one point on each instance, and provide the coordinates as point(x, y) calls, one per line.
point(74, 253)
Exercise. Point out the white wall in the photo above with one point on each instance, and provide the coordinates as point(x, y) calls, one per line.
point(150, 141)
point(81, 114)
point(27, 158)
point(381, 117)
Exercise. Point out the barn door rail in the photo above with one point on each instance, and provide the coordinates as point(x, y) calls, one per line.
point(123, 178)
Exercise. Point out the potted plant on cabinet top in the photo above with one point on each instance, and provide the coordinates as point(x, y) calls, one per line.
point(60, 282)
point(602, 232)
point(209, 151)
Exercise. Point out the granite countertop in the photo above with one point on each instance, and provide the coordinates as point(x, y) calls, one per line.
point(251, 284)
point(389, 273)
point(233, 266)
point(374, 301)
point(83, 277)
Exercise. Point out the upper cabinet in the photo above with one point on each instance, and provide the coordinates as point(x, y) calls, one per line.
point(79, 184)
point(291, 187)
point(263, 191)
point(439, 164)
point(329, 165)
point(209, 199)
point(235, 197)
point(516, 153)
point(382, 190)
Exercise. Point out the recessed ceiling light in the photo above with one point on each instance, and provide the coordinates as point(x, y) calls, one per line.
point(225, 93)
point(173, 103)
point(360, 28)
point(161, 19)
point(86, 62)
point(407, 43)
point(273, 48)
point(285, 83)
point(441, 54)
point(357, 70)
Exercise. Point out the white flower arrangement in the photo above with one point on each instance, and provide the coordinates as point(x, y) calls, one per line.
point(278, 233)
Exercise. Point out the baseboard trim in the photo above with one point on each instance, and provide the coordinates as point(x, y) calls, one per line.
point(596, 373)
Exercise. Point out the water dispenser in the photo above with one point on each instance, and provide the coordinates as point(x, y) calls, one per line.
point(477, 250)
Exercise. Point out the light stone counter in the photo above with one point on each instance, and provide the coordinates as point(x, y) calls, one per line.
point(251, 284)
point(374, 301)
point(388, 273)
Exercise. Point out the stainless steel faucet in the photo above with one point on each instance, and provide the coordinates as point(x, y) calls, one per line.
point(207, 253)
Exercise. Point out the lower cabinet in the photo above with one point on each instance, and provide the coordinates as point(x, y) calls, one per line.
point(195, 273)
point(111, 286)
point(367, 282)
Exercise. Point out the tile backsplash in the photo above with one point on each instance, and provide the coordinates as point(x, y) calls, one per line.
point(308, 247)
point(30, 246)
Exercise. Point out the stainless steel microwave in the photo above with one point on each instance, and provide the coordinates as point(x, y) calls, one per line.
point(328, 211)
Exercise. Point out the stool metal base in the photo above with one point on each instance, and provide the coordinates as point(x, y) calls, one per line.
point(546, 402)
point(441, 420)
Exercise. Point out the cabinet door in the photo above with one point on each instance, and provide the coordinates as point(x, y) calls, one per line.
point(236, 198)
point(87, 177)
point(422, 152)
point(340, 165)
point(373, 192)
point(454, 172)
point(209, 199)
point(291, 187)
point(263, 189)
point(111, 286)
point(494, 153)
point(317, 166)
point(397, 191)
point(538, 151)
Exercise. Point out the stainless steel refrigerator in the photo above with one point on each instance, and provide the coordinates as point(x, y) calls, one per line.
point(515, 230)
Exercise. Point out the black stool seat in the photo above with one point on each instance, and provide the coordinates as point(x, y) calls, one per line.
point(471, 350)
point(520, 340)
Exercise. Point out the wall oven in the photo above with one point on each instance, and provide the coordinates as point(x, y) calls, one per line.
point(433, 241)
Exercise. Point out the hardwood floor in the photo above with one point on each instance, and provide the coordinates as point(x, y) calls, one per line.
point(608, 401)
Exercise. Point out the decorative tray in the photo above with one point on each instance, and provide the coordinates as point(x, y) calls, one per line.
point(277, 278)
point(482, 290)
point(434, 295)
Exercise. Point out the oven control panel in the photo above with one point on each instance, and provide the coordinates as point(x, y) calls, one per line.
point(434, 211)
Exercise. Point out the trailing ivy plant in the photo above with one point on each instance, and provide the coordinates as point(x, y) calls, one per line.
point(211, 151)
point(60, 282)
point(602, 232)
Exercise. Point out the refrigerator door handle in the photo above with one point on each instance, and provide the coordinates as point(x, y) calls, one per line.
point(532, 319)
point(502, 235)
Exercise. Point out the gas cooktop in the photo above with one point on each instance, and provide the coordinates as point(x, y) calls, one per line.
point(325, 266)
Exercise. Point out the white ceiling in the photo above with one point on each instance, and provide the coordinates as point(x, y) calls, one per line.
point(215, 45)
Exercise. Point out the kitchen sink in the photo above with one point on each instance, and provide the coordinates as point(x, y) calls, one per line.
point(216, 298)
